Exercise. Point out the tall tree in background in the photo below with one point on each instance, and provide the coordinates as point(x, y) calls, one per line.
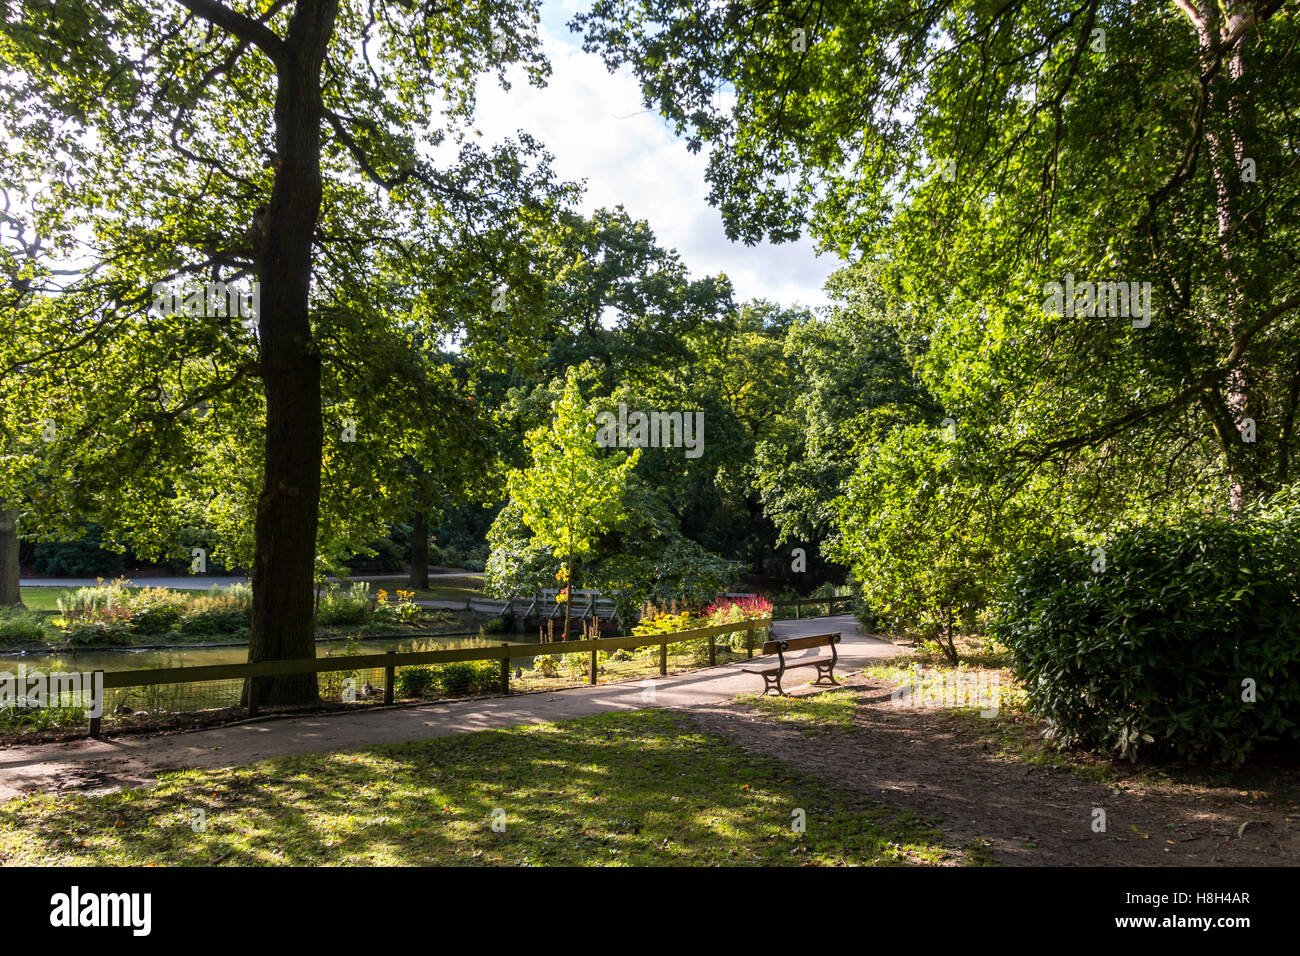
point(571, 492)
point(286, 144)
point(981, 152)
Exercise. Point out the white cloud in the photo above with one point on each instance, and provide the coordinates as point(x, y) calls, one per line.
point(598, 130)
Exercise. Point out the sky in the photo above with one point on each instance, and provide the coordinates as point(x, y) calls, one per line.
point(598, 130)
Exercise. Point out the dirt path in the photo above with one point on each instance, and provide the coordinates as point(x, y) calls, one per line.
point(133, 761)
point(935, 764)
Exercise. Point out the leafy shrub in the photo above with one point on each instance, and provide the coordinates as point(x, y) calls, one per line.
point(403, 611)
point(108, 602)
point(156, 610)
point(79, 558)
point(216, 616)
point(548, 665)
point(105, 632)
point(469, 677)
point(1153, 641)
point(352, 605)
point(18, 627)
point(220, 611)
point(415, 681)
point(30, 719)
point(496, 625)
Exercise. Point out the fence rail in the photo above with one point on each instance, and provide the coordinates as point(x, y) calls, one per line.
point(392, 660)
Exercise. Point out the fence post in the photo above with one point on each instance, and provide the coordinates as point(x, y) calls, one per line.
point(663, 658)
point(593, 667)
point(390, 678)
point(797, 608)
point(713, 651)
point(749, 640)
point(505, 674)
point(94, 727)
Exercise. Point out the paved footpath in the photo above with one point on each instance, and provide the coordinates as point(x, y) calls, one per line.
point(104, 765)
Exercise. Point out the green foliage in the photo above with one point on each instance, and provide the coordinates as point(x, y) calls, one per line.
point(77, 558)
point(404, 610)
point(548, 665)
point(30, 719)
point(415, 681)
point(100, 602)
point(156, 610)
point(926, 539)
point(467, 678)
point(220, 614)
point(351, 605)
point(571, 492)
point(108, 631)
point(1152, 652)
point(19, 627)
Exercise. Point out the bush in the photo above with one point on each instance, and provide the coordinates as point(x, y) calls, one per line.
point(402, 611)
point(101, 633)
point(469, 677)
point(19, 627)
point(548, 665)
point(101, 602)
point(415, 681)
point(156, 610)
point(1153, 641)
point(220, 611)
point(350, 606)
point(80, 558)
point(215, 615)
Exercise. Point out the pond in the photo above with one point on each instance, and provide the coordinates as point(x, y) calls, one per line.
point(185, 697)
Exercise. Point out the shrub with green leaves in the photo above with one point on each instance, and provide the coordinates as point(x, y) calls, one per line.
point(19, 627)
point(105, 632)
point(352, 605)
point(415, 681)
point(156, 610)
point(1174, 640)
point(469, 677)
point(220, 611)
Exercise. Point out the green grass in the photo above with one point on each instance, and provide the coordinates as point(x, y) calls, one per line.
point(46, 599)
point(814, 714)
point(460, 588)
point(447, 593)
point(641, 788)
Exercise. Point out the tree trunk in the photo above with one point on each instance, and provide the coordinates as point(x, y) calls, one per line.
point(420, 551)
point(10, 594)
point(1230, 130)
point(284, 624)
point(568, 603)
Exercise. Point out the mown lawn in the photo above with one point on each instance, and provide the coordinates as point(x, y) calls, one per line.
point(639, 788)
point(47, 599)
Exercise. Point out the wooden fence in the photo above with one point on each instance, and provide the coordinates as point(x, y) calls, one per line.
point(392, 660)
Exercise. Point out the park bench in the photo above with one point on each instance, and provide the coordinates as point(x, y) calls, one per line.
point(772, 675)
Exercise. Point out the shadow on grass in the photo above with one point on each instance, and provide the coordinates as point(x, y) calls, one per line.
point(644, 788)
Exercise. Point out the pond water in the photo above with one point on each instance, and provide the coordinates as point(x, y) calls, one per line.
point(129, 659)
point(184, 697)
